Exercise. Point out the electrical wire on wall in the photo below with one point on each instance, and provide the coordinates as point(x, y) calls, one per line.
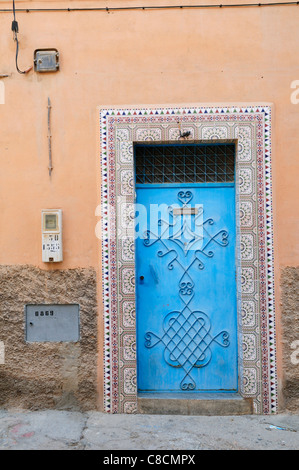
point(223, 6)
point(15, 29)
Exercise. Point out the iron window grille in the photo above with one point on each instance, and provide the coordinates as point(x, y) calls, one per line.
point(184, 163)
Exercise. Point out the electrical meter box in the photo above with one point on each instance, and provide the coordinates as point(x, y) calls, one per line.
point(52, 236)
point(52, 323)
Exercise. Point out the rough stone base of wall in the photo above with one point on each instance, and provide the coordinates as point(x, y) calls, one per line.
point(290, 324)
point(47, 375)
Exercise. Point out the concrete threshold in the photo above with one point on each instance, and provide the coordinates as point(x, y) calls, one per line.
point(196, 404)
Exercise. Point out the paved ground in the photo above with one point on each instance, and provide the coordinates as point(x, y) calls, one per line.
point(55, 430)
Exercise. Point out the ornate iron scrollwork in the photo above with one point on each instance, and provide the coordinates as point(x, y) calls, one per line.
point(187, 336)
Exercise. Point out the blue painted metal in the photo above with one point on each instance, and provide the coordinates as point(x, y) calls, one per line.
point(186, 289)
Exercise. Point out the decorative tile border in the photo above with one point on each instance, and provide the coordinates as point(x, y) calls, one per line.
point(250, 127)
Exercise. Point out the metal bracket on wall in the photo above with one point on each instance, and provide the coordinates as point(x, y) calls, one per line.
point(46, 60)
point(49, 137)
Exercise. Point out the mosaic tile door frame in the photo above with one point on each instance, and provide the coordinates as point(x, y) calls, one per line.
point(250, 128)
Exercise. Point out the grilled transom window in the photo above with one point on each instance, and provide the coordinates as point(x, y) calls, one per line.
point(184, 163)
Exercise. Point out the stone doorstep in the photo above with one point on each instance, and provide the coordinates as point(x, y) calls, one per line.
point(213, 404)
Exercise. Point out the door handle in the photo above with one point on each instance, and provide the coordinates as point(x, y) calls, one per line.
point(141, 278)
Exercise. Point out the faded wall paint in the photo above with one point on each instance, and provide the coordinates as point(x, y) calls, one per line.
point(124, 58)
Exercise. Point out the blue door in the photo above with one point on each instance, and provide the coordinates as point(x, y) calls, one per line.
point(186, 288)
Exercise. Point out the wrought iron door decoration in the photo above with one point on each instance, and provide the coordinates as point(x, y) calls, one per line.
point(187, 337)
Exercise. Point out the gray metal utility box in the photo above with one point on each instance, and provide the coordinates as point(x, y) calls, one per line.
point(52, 323)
